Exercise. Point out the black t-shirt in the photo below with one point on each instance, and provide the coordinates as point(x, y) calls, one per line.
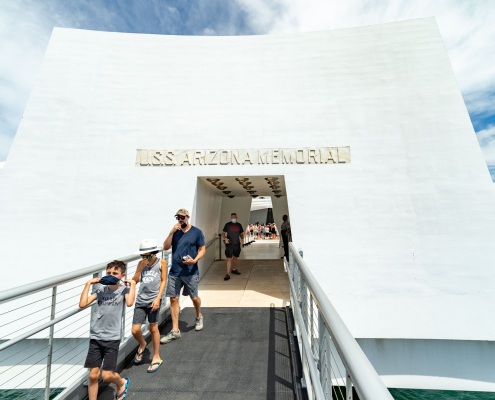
point(233, 231)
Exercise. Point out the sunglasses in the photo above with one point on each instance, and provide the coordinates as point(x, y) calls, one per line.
point(180, 217)
point(148, 256)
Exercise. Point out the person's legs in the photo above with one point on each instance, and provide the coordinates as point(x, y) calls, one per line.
point(108, 374)
point(197, 306)
point(174, 313)
point(236, 252)
point(137, 320)
point(198, 326)
point(155, 340)
point(138, 335)
point(116, 379)
point(228, 255)
point(191, 288)
point(229, 264)
point(94, 375)
point(285, 240)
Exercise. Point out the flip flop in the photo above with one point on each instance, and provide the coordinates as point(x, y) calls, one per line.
point(123, 395)
point(153, 368)
point(138, 354)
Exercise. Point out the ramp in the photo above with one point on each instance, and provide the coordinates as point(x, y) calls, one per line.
point(242, 353)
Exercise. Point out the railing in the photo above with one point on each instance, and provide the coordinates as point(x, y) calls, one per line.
point(44, 335)
point(333, 363)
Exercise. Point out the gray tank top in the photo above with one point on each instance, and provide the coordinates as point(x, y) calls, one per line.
point(106, 318)
point(150, 279)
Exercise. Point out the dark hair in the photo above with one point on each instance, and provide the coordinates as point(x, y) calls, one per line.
point(233, 214)
point(284, 217)
point(118, 265)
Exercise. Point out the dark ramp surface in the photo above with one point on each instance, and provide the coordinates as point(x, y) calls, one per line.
point(242, 353)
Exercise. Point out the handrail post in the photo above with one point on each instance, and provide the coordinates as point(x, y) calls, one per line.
point(323, 358)
point(219, 246)
point(348, 388)
point(50, 345)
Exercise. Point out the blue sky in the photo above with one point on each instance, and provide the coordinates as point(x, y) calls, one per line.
point(25, 26)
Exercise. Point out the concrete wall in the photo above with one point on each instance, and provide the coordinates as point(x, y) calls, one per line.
point(258, 216)
point(401, 238)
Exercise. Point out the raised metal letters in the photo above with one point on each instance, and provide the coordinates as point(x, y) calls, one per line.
point(190, 157)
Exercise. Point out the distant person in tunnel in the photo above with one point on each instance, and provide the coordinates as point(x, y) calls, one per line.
point(285, 232)
point(232, 235)
point(188, 247)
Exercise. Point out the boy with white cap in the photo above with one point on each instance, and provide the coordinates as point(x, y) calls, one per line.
point(151, 271)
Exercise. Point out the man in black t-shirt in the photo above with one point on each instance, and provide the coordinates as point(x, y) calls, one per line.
point(232, 235)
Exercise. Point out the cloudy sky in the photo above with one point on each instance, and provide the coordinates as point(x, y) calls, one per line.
point(25, 26)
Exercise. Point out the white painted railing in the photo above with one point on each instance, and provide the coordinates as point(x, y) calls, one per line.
point(332, 360)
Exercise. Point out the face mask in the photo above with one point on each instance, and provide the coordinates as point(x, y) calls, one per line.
point(109, 280)
point(234, 220)
point(183, 225)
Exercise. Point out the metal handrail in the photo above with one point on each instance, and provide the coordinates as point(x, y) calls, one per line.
point(313, 369)
point(30, 288)
point(53, 283)
point(368, 384)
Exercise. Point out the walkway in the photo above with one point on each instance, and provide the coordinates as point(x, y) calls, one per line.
point(243, 351)
point(262, 283)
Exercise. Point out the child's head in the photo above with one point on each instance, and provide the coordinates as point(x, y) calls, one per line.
point(116, 268)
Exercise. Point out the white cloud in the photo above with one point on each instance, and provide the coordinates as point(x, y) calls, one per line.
point(466, 26)
point(486, 138)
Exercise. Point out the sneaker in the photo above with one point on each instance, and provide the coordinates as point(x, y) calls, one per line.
point(235, 272)
point(199, 323)
point(172, 335)
point(226, 277)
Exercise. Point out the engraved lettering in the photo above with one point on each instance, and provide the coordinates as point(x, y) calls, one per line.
point(247, 158)
point(276, 156)
point(199, 157)
point(224, 157)
point(300, 156)
point(312, 155)
point(235, 156)
point(169, 157)
point(269, 156)
point(262, 157)
point(187, 158)
point(327, 156)
point(288, 157)
point(157, 158)
point(212, 155)
point(144, 158)
point(344, 154)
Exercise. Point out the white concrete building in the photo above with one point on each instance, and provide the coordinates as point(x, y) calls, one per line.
point(396, 219)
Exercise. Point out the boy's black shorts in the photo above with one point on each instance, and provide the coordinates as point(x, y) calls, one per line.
point(105, 351)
